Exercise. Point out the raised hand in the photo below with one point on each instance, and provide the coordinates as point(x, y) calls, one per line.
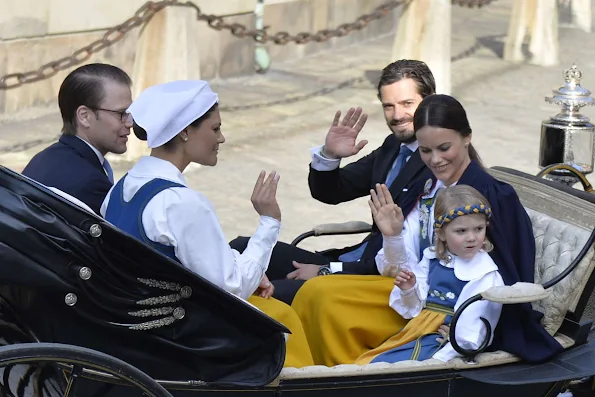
point(341, 137)
point(264, 195)
point(405, 280)
point(387, 215)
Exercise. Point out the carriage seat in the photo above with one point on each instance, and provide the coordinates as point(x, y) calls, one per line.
point(562, 224)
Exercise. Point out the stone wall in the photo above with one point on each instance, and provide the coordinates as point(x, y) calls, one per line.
point(34, 32)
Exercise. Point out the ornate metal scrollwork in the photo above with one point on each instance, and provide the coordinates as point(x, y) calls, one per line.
point(469, 353)
point(171, 314)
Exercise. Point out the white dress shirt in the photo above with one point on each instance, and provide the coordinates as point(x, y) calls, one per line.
point(185, 219)
point(321, 163)
point(97, 153)
point(99, 156)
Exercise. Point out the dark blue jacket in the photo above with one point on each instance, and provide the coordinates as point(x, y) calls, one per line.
point(73, 167)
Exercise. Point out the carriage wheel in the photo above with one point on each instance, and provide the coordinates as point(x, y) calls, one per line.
point(77, 362)
point(579, 176)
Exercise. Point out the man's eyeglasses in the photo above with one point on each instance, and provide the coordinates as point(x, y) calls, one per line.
point(124, 116)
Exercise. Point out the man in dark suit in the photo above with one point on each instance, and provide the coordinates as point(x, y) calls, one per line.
point(402, 86)
point(93, 100)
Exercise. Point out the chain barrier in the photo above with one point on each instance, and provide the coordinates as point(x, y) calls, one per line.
point(299, 98)
point(472, 3)
point(149, 9)
point(327, 90)
point(21, 146)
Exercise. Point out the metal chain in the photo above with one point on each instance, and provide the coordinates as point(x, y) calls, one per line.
point(472, 3)
point(111, 36)
point(21, 146)
point(262, 36)
point(468, 52)
point(149, 9)
point(327, 90)
point(285, 101)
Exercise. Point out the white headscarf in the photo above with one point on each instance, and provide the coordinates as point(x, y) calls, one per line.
point(164, 110)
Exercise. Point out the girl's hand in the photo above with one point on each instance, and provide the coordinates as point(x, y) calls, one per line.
point(387, 215)
point(405, 280)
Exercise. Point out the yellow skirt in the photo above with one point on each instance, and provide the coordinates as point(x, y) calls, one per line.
point(298, 352)
point(427, 322)
point(345, 316)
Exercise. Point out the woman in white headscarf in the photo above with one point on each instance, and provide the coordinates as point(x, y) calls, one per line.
point(181, 123)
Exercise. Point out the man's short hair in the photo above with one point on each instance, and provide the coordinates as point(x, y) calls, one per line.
point(409, 69)
point(85, 86)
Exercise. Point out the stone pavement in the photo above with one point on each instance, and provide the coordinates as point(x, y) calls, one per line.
point(505, 104)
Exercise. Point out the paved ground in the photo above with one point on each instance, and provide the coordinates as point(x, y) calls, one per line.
point(504, 101)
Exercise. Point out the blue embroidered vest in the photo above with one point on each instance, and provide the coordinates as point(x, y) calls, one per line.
point(128, 216)
point(444, 287)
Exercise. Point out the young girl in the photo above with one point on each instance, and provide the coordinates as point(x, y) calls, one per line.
point(429, 291)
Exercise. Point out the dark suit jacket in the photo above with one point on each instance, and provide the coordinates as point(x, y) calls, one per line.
point(356, 179)
point(71, 166)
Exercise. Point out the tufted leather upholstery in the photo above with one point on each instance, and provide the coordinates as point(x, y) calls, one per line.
point(557, 245)
point(561, 225)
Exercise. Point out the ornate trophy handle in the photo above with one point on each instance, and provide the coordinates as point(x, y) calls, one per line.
point(587, 187)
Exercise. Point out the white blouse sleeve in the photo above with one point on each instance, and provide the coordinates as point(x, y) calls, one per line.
point(471, 331)
point(400, 251)
point(186, 220)
point(411, 302)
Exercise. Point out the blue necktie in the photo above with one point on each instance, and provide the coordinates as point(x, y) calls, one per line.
point(398, 164)
point(108, 170)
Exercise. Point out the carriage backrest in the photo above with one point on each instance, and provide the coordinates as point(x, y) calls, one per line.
point(562, 222)
point(558, 243)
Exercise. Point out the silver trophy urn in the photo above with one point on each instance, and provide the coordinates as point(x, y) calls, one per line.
point(567, 139)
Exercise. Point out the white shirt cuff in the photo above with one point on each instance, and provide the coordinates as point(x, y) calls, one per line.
point(271, 222)
point(320, 163)
point(408, 292)
point(336, 267)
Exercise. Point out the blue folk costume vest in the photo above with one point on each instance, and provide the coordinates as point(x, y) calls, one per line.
point(128, 215)
point(444, 290)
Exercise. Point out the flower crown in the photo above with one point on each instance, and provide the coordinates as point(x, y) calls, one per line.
point(460, 211)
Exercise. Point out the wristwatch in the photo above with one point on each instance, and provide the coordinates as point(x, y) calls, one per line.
point(324, 270)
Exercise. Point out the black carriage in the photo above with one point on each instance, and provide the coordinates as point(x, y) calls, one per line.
point(87, 310)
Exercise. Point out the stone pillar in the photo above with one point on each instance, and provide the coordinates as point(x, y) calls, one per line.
point(423, 33)
point(581, 14)
point(167, 50)
point(537, 19)
point(544, 34)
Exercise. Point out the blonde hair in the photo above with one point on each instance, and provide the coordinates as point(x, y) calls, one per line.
point(447, 200)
